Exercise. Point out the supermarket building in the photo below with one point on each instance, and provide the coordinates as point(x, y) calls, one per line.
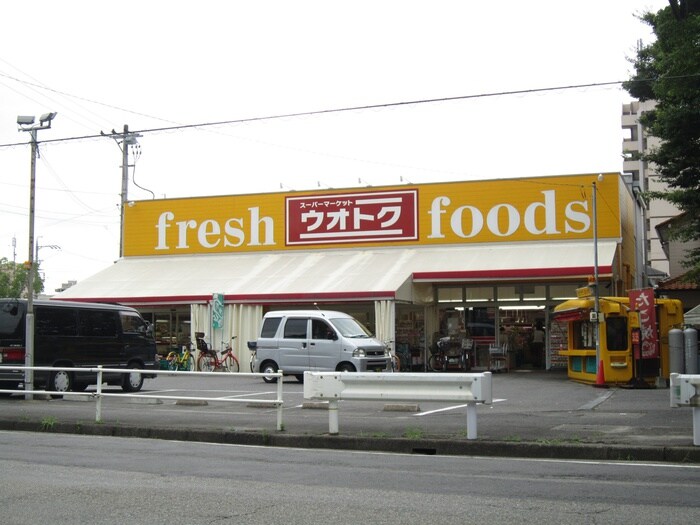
point(481, 260)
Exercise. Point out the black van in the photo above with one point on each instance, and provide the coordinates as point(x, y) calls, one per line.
point(74, 334)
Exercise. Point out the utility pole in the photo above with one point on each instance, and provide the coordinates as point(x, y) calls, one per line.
point(123, 140)
point(598, 318)
point(125, 187)
point(596, 276)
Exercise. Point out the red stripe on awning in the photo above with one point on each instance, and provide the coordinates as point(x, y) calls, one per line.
point(528, 273)
point(242, 298)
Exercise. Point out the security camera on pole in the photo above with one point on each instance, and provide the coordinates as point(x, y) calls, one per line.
point(26, 123)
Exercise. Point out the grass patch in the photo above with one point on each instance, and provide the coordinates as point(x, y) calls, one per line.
point(48, 423)
point(413, 433)
point(375, 435)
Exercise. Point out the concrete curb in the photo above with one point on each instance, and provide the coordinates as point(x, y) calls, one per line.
point(427, 446)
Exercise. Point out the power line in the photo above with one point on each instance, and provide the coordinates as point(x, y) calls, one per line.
point(58, 92)
point(355, 108)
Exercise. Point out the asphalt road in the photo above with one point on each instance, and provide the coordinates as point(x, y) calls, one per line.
point(67, 479)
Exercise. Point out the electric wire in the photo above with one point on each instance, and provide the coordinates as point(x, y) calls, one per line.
point(385, 105)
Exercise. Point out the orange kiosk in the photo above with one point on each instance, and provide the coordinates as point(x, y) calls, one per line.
point(633, 336)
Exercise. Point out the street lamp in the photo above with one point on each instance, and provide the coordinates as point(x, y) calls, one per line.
point(26, 123)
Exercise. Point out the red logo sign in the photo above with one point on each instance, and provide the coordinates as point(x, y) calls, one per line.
point(352, 217)
point(642, 301)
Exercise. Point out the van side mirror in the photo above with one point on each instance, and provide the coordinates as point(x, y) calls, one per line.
point(332, 336)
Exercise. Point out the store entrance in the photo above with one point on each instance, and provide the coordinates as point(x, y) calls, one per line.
point(510, 321)
point(523, 332)
point(516, 334)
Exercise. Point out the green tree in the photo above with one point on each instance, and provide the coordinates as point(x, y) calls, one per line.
point(13, 279)
point(668, 71)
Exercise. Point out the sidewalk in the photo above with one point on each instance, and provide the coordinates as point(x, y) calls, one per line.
point(534, 414)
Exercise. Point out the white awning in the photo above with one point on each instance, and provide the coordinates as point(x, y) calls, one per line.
point(692, 316)
point(370, 274)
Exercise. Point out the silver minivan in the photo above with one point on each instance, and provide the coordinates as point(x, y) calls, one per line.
point(295, 341)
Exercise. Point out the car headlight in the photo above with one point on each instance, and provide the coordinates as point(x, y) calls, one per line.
point(359, 352)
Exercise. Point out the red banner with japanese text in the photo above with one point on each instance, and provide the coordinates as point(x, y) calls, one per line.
point(642, 302)
point(352, 217)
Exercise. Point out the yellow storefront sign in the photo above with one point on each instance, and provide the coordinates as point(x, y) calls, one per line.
point(508, 210)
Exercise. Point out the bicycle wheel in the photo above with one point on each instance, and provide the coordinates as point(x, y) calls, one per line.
point(432, 362)
point(230, 364)
point(395, 363)
point(188, 365)
point(437, 363)
point(206, 362)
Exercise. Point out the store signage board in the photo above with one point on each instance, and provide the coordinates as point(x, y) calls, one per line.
point(497, 211)
point(352, 217)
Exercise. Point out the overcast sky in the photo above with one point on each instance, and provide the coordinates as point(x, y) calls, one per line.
point(157, 64)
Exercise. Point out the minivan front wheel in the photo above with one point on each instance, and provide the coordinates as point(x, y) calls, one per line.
point(133, 381)
point(269, 368)
point(346, 367)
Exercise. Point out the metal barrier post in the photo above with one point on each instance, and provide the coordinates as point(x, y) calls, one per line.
point(471, 420)
point(333, 416)
point(280, 405)
point(684, 393)
point(98, 400)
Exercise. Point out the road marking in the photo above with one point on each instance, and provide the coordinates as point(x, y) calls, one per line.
point(595, 402)
point(446, 409)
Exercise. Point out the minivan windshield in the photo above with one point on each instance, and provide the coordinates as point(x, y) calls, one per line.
point(349, 327)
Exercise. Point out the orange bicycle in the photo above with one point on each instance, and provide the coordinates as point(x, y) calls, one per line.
point(209, 360)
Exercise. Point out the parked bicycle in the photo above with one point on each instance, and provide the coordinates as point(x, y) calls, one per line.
point(450, 354)
point(402, 358)
point(395, 359)
point(252, 346)
point(183, 360)
point(438, 359)
point(209, 359)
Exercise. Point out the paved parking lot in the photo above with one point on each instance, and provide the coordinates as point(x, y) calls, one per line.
point(543, 408)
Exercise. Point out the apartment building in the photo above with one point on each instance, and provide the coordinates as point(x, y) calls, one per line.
point(642, 177)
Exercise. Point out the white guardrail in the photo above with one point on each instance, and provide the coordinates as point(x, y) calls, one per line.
point(685, 392)
point(386, 386)
point(99, 394)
